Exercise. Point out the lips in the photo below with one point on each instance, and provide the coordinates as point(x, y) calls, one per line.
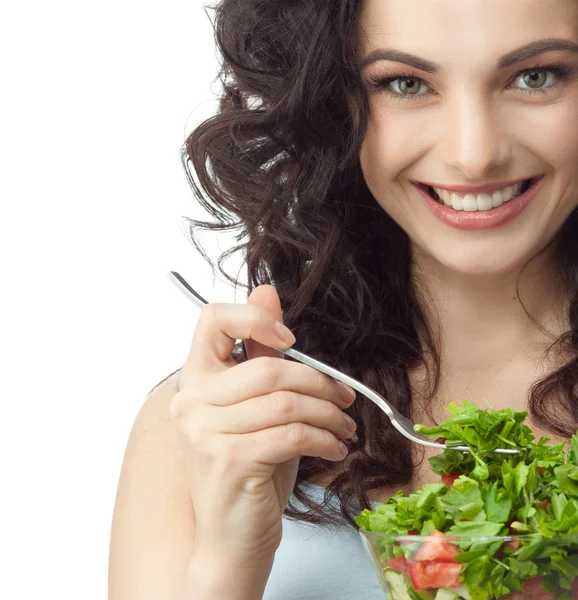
point(481, 200)
point(480, 219)
point(465, 189)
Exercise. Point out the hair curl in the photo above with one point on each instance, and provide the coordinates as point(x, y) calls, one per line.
point(280, 163)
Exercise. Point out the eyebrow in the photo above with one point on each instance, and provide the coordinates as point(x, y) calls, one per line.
point(512, 58)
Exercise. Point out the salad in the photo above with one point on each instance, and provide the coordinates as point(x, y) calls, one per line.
point(531, 497)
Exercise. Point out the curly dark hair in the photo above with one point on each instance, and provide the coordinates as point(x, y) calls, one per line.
point(279, 163)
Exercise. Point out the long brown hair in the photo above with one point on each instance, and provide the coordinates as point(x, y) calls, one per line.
point(279, 163)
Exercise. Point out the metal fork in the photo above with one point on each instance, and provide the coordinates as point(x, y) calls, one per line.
point(401, 423)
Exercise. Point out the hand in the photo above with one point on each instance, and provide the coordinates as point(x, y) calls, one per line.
point(245, 426)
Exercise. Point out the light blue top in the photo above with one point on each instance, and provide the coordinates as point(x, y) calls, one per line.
point(320, 563)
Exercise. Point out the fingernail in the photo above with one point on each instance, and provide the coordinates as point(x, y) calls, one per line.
point(343, 448)
point(349, 423)
point(284, 334)
point(346, 393)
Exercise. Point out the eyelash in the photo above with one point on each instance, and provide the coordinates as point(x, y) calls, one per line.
point(561, 70)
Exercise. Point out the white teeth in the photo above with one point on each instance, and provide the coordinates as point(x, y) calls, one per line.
point(469, 203)
point(447, 197)
point(456, 202)
point(478, 202)
point(484, 202)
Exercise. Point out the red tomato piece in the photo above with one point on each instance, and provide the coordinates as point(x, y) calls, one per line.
point(430, 575)
point(400, 564)
point(533, 589)
point(449, 478)
point(438, 550)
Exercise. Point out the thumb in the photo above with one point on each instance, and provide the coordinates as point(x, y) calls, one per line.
point(266, 297)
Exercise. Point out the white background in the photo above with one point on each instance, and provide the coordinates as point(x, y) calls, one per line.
point(96, 100)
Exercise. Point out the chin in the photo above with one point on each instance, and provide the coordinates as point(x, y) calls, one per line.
point(481, 260)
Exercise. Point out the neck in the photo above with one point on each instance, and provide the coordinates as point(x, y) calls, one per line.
point(481, 319)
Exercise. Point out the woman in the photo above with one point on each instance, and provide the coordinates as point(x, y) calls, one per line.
point(405, 174)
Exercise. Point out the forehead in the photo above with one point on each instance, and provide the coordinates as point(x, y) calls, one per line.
point(463, 30)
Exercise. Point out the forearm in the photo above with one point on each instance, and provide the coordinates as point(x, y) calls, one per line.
point(208, 579)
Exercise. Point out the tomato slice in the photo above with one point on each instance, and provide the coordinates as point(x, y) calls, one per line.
point(430, 575)
point(438, 549)
point(449, 478)
point(533, 589)
point(400, 564)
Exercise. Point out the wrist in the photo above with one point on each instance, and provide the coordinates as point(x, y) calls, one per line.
point(209, 577)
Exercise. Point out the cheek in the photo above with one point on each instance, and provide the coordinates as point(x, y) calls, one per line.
point(557, 146)
point(391, 146)
point(551, 133)
point(379, 169)
point(565, 152)
point(394, 141)
point(373, 157)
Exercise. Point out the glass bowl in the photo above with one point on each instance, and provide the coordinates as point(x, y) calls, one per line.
point(436, 567)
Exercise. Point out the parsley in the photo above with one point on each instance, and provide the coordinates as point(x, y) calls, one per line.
point(533, 494)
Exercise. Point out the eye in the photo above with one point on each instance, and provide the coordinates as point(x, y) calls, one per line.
point(541, 79)
point(544, 79)
point(536, 78)
point(399, 86)
point(407, 86)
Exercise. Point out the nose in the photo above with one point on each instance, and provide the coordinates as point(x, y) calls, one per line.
point(475, 143)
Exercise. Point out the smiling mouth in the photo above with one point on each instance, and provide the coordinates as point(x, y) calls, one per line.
point(478, 202)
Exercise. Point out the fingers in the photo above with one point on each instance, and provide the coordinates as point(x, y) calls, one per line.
point(282, 408)
point(264, 375)
point(266, 297)
point(229, 454)
point(266, 410)
point(279, 444)
point(217, 330)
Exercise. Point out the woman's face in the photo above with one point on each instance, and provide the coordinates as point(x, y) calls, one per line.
point(482, 95)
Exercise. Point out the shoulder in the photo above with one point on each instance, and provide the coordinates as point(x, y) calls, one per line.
point(153, 443)
point(152, 423)
point(153, 520)
point(167, 385)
